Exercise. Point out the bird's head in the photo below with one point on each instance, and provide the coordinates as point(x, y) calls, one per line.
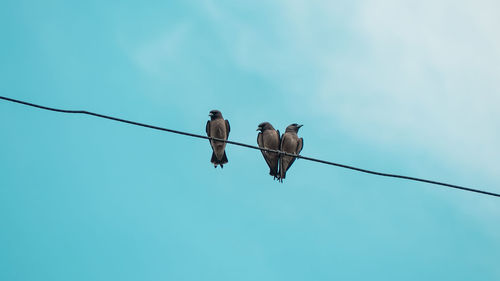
point(214, 114)
point(265, 126)
point(293, 127)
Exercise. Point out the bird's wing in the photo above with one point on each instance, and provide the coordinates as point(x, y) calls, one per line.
point(228, 129)
point(207, 128)
point(300, 144)
point(281, 173)
point(260, 142)
point(297, 151)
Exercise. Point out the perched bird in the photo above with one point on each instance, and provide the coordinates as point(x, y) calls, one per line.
point(290, 143)
point(269, 138)
point(219, 128)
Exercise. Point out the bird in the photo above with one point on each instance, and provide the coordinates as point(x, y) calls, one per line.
point(219, 128)
point(290, 143)
point(269, 138)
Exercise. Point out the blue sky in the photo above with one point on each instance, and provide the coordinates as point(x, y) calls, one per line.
point(409, 87)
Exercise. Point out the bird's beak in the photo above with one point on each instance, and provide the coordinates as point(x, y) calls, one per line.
point(299, 126)
point(258, 129)
point(210, 114)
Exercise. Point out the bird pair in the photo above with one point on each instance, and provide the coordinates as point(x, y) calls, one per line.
point(289, 142)
point(268, 138)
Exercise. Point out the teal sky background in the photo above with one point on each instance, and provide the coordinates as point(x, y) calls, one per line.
point(410, 87)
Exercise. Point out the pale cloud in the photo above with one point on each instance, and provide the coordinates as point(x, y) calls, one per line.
point(433, 68)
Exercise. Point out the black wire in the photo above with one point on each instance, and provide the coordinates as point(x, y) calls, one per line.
point(253, 147)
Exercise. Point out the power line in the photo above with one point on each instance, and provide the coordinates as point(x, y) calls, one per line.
point(252, 147)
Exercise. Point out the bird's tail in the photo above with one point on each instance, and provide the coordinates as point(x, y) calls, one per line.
point(282, 172)
point(274, 172)
point(220, 162)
